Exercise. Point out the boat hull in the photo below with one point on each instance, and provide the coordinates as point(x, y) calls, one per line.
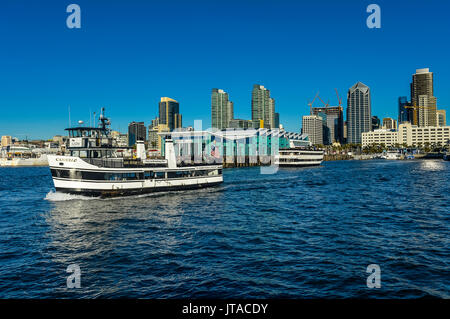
point(131, 192)
point(300, 164)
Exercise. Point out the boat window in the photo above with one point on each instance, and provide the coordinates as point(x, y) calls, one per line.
point(149, 175)
point(201, 173)
point(178, 174)
point(113, 176)
point(129, 176)
point(93, 176)
point(61, 173)
point(160, 175)
point(83, 154)
point(95, 154)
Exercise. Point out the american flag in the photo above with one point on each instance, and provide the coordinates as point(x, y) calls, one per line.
point(215, 151)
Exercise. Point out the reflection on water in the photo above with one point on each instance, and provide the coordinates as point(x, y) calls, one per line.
point(433, 165)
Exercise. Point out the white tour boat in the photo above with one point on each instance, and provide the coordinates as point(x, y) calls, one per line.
point(297, 156)
point(96, 168)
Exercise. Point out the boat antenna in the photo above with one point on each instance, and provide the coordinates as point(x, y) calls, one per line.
point(69, 117)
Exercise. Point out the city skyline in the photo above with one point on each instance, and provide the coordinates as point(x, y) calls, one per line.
point(116, 60)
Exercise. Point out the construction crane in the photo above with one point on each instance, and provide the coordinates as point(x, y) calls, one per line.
point(416, 109)
point(311, 104)
point(339, 99)
point(325, 104)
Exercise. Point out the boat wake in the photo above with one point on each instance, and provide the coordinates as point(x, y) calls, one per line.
point(53, 196)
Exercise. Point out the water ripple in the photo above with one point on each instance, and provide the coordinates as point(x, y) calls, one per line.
point(301, 233)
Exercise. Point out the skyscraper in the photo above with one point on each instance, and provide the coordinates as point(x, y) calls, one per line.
point(221, 109)
point(403, 110)
point(441, 118)
point(358, 112)
point(277, 120)
point(312, 125)
point(335, 123)
point(375, 123)
point(263, 106)
point(169, 113)
point(136, 132)
point(422, 98)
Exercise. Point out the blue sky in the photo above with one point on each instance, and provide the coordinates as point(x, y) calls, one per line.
point(128, 54)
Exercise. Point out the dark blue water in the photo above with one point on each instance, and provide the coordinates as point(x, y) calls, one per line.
point(300, 233)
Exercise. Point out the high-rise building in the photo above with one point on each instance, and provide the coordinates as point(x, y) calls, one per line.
point(312, 125)
point(155, 122)
point(376, 124)
point(243, 124)
point(359, 116)
point(335, 123)
point(422, 98)
point(169, 113)
point(136, 132)
point(277, 120)
point(345, 131)
point(263, 106)
point(441, 119)
point(389, 123)
point(221, 109)
point(154, 139)
point(404, 110)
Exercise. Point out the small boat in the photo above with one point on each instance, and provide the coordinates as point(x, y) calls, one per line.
point(392, 155)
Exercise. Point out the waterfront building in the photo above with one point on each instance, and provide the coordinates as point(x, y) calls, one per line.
point(169, 113)
point(263, 106)
point(136, 132)
point(248, 146)
point(6, 141)
point(441, 119)
point(334, 128)
point(221, 109)
point(312, 125)
point(155, 141)
point(359, 116)
point(408, 134)
point(389, 123)
point(422, 98)
point(380, 136)
point(119, 139)
point(59, 139)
